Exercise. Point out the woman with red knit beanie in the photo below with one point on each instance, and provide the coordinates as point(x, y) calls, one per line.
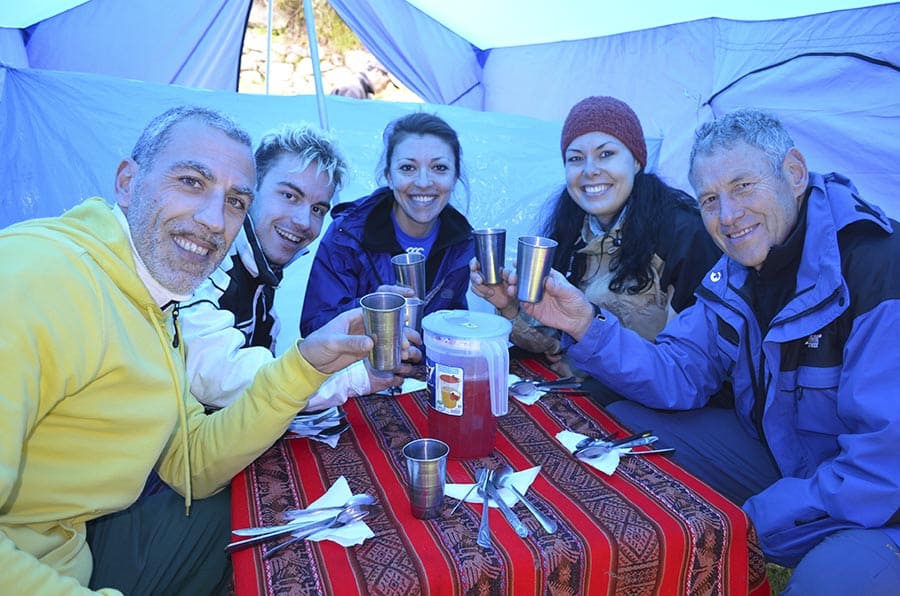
point(631, 243)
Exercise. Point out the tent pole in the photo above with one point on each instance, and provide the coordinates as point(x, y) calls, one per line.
point(268, 43)
point(314, 56)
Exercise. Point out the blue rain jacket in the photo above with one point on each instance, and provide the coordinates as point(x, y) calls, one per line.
point(828, 370)
point(354, 258)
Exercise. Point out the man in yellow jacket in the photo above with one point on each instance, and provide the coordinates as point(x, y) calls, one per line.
point(93, 391)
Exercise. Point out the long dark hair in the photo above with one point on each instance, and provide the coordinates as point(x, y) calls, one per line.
point(650, 201)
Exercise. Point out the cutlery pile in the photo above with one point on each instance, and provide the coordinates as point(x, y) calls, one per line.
point(320, 426)
point(304, 523)
point(488, 484)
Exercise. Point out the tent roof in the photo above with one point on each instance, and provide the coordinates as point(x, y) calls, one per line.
point(18, 15)
point(505, 23)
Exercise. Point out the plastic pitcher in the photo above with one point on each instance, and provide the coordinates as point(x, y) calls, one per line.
point(467, 356)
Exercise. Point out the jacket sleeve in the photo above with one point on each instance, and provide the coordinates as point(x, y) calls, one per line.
point(219, 368)
point(225, 442)
point(334, 283)
point(40, 343)
point(679, 372)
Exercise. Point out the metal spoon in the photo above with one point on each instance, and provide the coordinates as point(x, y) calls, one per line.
point(503, 479)
point(525, 388)
point(296, 517)
point(344, 518)
point(605, 442)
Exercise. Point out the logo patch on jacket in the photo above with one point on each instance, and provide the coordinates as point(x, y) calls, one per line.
point(813, 341)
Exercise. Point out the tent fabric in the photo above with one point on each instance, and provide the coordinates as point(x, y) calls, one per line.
point(197, 44)
point(62, 135)
point(833, 78)
point(524, 22)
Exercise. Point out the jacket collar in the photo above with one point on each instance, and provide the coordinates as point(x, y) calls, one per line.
point(454, 226)
point(247, 246)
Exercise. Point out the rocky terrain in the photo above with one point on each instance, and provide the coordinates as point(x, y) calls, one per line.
point(354, 73)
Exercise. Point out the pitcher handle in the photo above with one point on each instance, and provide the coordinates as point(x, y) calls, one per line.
point(497, 355)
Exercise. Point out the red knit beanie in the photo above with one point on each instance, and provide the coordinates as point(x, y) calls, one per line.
point(609, 115)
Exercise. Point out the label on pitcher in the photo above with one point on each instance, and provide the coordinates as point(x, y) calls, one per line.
point(446, 386)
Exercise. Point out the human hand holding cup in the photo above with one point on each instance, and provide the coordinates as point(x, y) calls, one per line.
point(533, 262)
point(426, 463)
point(409, 269)
point(383, 318)
point(490, 252)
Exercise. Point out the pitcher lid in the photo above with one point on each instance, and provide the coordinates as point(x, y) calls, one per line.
point(467, 324)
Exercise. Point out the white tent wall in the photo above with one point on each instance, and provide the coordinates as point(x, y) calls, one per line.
point(830, 100)
point(62, 135)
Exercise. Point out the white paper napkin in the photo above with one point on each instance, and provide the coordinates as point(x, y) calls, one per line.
point(409, 385)
point(521, 480)
point(349, 535)
point(605, 463)
point(529, 399)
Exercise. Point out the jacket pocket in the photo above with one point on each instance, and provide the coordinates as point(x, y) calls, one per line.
point(816, 400)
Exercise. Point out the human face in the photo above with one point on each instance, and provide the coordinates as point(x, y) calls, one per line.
point(600, 174)
point(289, 208)
point(747, 208)
point(422, 176)
point(186, 207)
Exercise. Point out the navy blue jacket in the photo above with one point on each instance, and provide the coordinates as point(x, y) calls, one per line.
point(354, 258)
point(827, 371)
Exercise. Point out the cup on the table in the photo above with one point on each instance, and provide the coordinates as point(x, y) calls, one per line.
point(409, 267)
point(533, 261)
point(412, 312)
point(426, 463)
point(383, 317)
point(490, 252)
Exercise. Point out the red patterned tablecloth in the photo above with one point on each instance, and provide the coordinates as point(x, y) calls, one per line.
point(651, 528)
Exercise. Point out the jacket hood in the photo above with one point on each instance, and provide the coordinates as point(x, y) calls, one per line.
point(92, 227)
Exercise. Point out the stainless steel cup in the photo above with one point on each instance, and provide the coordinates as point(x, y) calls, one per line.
point(383, 317)
point(409, 268)
point(412, 313)
point(533, 261)
point(426, 462)
point(490, 252)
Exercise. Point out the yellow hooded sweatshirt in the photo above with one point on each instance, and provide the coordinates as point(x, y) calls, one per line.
point(93, 395)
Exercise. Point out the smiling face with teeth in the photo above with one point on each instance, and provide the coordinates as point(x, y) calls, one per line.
point(600, 174)
point(186, 205)
point(422, 174)
point(747, 207)
point(289, 207)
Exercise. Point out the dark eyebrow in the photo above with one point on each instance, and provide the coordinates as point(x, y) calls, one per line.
point(300, 192)
point(207, 175)
point(196, 166)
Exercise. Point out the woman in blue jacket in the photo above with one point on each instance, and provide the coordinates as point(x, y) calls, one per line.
point(421, 164)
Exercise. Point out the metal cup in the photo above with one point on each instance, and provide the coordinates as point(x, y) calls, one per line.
point(383, 317)
point(409, 268)
point(490, 252)
point(412, 313)
point(533, 261)
point(426, 462)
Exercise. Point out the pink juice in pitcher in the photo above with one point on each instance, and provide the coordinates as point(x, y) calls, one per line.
point(460, 413)
point(468, 366)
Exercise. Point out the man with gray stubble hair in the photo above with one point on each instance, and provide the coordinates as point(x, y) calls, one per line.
point(230, 325)
point(799, 314)
point(93, 388)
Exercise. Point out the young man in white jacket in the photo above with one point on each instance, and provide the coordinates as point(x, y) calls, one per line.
point(230, 325)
